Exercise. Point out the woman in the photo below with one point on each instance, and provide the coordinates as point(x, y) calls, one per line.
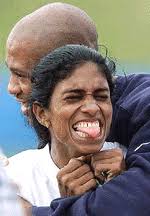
point(71, 112)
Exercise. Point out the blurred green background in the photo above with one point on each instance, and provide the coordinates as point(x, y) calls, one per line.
point(123, 25)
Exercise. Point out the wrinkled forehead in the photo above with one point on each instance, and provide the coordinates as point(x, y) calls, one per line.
point(33, 38)
point(26, 52)
point(20, 56)
point(49, 28)
point(87, 76)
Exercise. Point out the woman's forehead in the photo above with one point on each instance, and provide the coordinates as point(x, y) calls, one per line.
point(86, 76)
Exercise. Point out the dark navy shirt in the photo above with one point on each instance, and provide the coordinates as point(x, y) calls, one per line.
point(129, 193)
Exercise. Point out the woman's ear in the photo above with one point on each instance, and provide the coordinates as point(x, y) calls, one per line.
point(41, 114)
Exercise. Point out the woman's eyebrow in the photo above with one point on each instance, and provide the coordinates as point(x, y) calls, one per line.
point(77, 91)
point(102, 89)
point(81, 91)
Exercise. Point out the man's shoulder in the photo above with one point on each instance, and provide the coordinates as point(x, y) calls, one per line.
point(129, 82)
point(131, 91)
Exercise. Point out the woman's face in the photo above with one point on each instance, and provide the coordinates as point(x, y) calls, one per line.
point(80, 111)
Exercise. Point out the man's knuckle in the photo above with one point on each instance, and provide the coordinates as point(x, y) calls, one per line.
point(71, 186)
point(86, 167)
point(119, 152)
point(92, 181)
point(91, 175)
point(77, 191)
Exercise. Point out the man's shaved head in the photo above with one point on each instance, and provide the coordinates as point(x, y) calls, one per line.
point(54, 25)
point(40, 32)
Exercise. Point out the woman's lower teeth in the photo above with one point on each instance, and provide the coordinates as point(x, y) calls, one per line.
point(82, 134)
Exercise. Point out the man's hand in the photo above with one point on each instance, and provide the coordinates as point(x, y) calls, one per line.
point(75, 178)
point(107, 164)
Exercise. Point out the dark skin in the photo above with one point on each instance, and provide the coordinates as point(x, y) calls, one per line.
point(83, 173)
point(110, 162)
point(75, 178)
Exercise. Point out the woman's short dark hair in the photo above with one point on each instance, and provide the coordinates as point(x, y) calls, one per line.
point(57, 66)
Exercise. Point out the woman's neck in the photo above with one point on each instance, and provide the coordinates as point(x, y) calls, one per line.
point(60, 154)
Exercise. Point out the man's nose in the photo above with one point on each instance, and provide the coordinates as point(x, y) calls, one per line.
point(90, 107)
point(14, 86)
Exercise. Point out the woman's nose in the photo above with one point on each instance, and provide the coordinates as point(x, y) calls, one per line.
point(90, 107)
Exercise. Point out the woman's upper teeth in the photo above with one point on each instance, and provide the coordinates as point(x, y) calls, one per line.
point(88, 129)
point(87, 124)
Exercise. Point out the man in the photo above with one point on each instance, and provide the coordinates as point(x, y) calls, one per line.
point(55, 25)
point(37, 34)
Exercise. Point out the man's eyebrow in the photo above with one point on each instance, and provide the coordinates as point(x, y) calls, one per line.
point(14, 69)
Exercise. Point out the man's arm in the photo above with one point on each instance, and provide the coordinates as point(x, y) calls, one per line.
point(127, 195)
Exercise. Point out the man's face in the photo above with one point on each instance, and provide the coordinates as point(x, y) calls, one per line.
point(20, 61)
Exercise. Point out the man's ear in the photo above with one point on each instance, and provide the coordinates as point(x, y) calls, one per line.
point(41, 114)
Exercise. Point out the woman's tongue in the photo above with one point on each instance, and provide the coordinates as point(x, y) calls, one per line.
point(92, 132)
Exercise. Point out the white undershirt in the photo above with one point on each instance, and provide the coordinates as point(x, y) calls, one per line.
point(35, 173)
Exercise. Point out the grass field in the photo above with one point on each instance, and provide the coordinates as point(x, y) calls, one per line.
point(123, 25)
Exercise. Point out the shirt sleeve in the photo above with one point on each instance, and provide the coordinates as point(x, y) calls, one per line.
point(41, 211)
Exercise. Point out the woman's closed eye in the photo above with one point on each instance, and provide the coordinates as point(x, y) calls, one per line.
point(102, 97)
point(73, 98)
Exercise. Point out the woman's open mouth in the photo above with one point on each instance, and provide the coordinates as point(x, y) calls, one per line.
point(89, 129)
